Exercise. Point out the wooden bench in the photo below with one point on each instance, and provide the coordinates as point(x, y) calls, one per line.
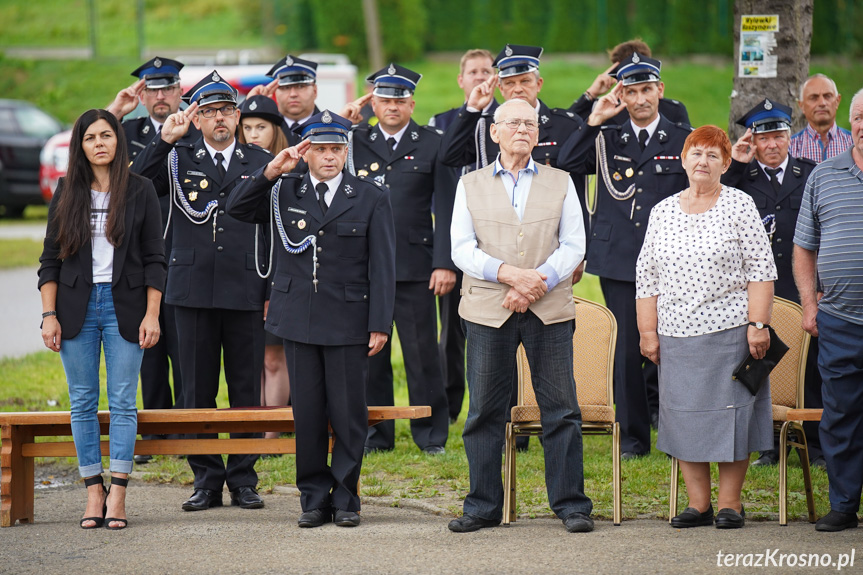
point(20, 431)
point(805, 414)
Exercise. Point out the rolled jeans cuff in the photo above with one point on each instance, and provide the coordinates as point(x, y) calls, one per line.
point(91, 470)
point(120, 466)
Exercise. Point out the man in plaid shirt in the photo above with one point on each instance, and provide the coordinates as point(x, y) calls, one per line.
point(821, 139)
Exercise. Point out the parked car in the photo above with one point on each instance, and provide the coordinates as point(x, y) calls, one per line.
point(24, 129)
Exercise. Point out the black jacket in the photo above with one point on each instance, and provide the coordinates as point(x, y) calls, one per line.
point(139, 262)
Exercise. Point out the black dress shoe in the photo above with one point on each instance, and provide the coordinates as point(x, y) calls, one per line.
point(246, 498)
point(203, 499)
point(626, 455)
point(730, 519)
point(346, 518)
point(770, 457)
point(434, 450)
point(315, 517)
point(578, 523)
point(836, 521)
point(692, 517)
point(818, 461)
point(468, 523)
point(142, 459)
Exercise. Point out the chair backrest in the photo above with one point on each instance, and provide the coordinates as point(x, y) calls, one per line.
point(592, 357)
point(786, 379)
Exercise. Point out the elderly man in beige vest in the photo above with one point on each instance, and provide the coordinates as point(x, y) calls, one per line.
point(518, 234)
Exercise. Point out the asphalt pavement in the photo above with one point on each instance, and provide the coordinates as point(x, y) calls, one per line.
point(20, 306)
point(161, 538)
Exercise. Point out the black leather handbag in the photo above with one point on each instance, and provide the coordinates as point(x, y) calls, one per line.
point(752, 372)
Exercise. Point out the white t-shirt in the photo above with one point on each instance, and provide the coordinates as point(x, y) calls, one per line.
point(103, 251)
point(700, 265)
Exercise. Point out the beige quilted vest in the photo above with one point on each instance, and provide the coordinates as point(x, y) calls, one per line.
point(525, 244)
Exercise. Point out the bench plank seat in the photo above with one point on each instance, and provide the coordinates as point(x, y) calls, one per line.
point(19, 431)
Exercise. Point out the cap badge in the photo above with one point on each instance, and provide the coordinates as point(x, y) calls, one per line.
point(289, 61)
point(253, 106)
point(768, 105)
point(216, 77)
point(391, 70)
point(326, 118)
point(508, 50)
point(157, 63)
point(415, 136)
point(635, 58)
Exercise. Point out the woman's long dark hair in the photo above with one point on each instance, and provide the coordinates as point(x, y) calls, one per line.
point(73, 206)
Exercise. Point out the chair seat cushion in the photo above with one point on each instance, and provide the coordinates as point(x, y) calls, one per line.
point(599, 413)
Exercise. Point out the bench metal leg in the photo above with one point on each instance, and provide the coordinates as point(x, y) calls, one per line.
point(16, 477)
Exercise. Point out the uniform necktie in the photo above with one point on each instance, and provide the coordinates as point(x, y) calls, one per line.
point(392, 144)
point(219, 165)
point(642, 138)
point(322, 189)
point(774, 179)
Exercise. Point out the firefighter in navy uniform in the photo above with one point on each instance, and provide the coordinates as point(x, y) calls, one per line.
point(214, 280)
point(158, 89)
point(762, 167)
point(404, 157)
point(332, 300)
point(639, 165)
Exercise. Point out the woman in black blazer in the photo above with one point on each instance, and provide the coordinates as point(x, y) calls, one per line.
point(101, 276)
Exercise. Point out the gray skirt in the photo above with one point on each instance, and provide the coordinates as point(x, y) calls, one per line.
point(705, 415)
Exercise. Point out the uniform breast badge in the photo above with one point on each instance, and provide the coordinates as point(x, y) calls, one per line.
point(617, 177)
point(374, 167)
point(301, 224)
point(362, 173)
point(204, 184)
point(193, 196)
point(629, 172)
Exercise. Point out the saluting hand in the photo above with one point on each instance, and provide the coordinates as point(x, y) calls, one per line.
point(264, 89)
point(286, 160)
point(177, 124)
point(607, 107)
point(602, 84)
point(126, 100)
point(482, 94)
point(743, 151)
point(353, 111)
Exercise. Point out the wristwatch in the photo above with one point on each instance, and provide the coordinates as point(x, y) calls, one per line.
point(758, 324)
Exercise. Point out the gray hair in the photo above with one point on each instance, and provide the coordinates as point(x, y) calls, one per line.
point(498, 112)
point(812, 77)
point(855, 100)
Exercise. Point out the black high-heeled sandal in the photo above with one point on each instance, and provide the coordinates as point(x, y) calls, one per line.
point(108, 520)
point(99, 521)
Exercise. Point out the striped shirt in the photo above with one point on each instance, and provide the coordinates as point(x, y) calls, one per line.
point(831, 223)
point(807, 143)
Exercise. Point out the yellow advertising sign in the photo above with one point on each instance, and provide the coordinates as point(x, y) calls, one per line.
point(759, 23)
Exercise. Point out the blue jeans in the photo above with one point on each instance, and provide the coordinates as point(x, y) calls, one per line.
point(490, 365)
point(80, 356)
point(840, 361)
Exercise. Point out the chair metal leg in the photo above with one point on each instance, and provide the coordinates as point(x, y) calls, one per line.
point(615, 472)
point(509, 476)
point(804, 464)
point(675, 478)
point(783, 474)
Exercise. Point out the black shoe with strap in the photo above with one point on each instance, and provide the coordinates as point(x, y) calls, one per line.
point(99, 521)
point(121, 482)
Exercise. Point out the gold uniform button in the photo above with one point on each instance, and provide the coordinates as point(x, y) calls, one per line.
point(365, 297)
point(353, 231)
point(521, 234)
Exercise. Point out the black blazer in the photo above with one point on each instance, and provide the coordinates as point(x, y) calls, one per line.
point(139, 262)
point(785, 207)
point(355, 242)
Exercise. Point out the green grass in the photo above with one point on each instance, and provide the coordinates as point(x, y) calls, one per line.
point(37, 383)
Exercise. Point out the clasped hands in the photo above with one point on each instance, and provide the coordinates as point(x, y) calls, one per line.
point(526, 287)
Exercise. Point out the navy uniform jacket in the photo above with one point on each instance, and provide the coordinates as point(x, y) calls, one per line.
point(413, 175)
point(443, 120)
point(751, 179)
point(648, 177)
point(211, 265)
point(139, 263)
point(140, 132)
point(673, 110)
point(355, 246)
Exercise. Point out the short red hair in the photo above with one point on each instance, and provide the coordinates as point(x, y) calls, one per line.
point(709, 137)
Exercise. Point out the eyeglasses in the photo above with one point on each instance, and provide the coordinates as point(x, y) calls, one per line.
point(226, 111)
point(167, 90)
point(514, 123)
